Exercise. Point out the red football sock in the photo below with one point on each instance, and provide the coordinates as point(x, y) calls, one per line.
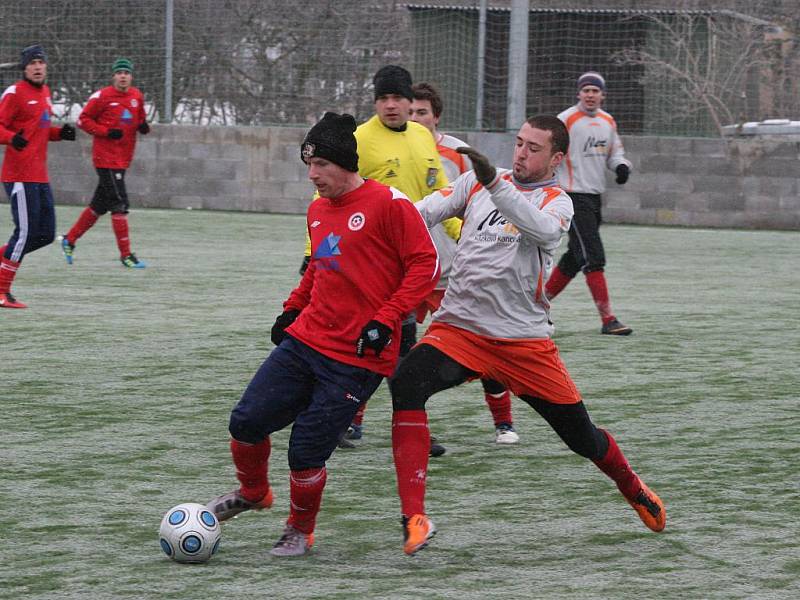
point(557, 282)
point(8, 270)
point(596, 280)
point(359, 418)
point(615, 465)
point(3, 250)
point(305, 492)
point(500, 405)
point(119, 222)
point(251, 462)
point(85, 221)
point(411, 443)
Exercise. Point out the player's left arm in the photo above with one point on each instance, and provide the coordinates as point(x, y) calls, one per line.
point(616, 156)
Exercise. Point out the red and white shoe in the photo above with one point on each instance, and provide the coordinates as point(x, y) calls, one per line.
point(227, 506)
point(7, 300)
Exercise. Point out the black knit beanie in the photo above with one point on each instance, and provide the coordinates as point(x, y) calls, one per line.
point(332, 139)
point(392, 79)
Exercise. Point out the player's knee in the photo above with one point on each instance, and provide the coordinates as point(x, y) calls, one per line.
point(595, 266)
point(408, 393)
point(303, 457)
point(242, 427)
point(490, 386)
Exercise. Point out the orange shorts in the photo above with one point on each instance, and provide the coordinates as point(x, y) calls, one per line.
point(530, 367)
point(430, 304)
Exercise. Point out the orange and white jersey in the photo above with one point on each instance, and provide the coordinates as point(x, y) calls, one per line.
point(505, 254)
point(594, 146)
point(454, 163)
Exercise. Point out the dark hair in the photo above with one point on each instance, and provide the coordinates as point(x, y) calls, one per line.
point(557, 129)
point(425, 91)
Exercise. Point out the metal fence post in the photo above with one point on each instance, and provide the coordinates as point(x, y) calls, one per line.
point(517, 101)
point(481, 65)
point(168, 27)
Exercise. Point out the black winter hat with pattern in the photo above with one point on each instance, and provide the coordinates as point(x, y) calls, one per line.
point(332, 139)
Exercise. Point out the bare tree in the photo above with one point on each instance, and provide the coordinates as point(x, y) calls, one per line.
point(713, 61)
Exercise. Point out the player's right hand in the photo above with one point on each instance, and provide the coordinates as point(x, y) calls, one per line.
point(18, 142)
point(115, 134)
point(623, 172)
point(484, 170)
point(285, 319)
point(374, 335)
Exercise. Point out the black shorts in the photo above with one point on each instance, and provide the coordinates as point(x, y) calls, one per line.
point(110, 194)
point(585, 251)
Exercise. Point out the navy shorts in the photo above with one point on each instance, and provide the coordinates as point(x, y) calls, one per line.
point(297, 384)
point(34, 218)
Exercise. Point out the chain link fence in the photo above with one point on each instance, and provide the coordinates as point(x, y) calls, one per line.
point(262, 62)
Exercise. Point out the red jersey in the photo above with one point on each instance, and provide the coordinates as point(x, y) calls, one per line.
point(26, 108)
point(111, 109)
point(371, 258)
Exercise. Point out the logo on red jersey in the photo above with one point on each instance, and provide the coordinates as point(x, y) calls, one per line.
point(356, 221)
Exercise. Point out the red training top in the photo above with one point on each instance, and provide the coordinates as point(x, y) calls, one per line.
point(371, 258)
point(111, 109)
point(26, 109)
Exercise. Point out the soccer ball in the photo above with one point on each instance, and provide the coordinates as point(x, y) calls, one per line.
point(189, 533)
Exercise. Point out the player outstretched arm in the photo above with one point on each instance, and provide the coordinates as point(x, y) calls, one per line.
point(448, 202)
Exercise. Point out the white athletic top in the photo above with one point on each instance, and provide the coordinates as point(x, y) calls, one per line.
point(593, 146)
point(505, 254)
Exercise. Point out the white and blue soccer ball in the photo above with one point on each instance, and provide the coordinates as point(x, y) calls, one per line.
point(189, 533)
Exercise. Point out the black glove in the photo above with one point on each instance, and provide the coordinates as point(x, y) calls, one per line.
point(375, 335)
point(285, 319)
point(18, 142)
point(115, 134)
point(67, 132)
point(304, 265)
point(144, 128)
point(484, 170)
point(623, 172)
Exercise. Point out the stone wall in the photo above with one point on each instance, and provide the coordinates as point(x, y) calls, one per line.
point(751, 182)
